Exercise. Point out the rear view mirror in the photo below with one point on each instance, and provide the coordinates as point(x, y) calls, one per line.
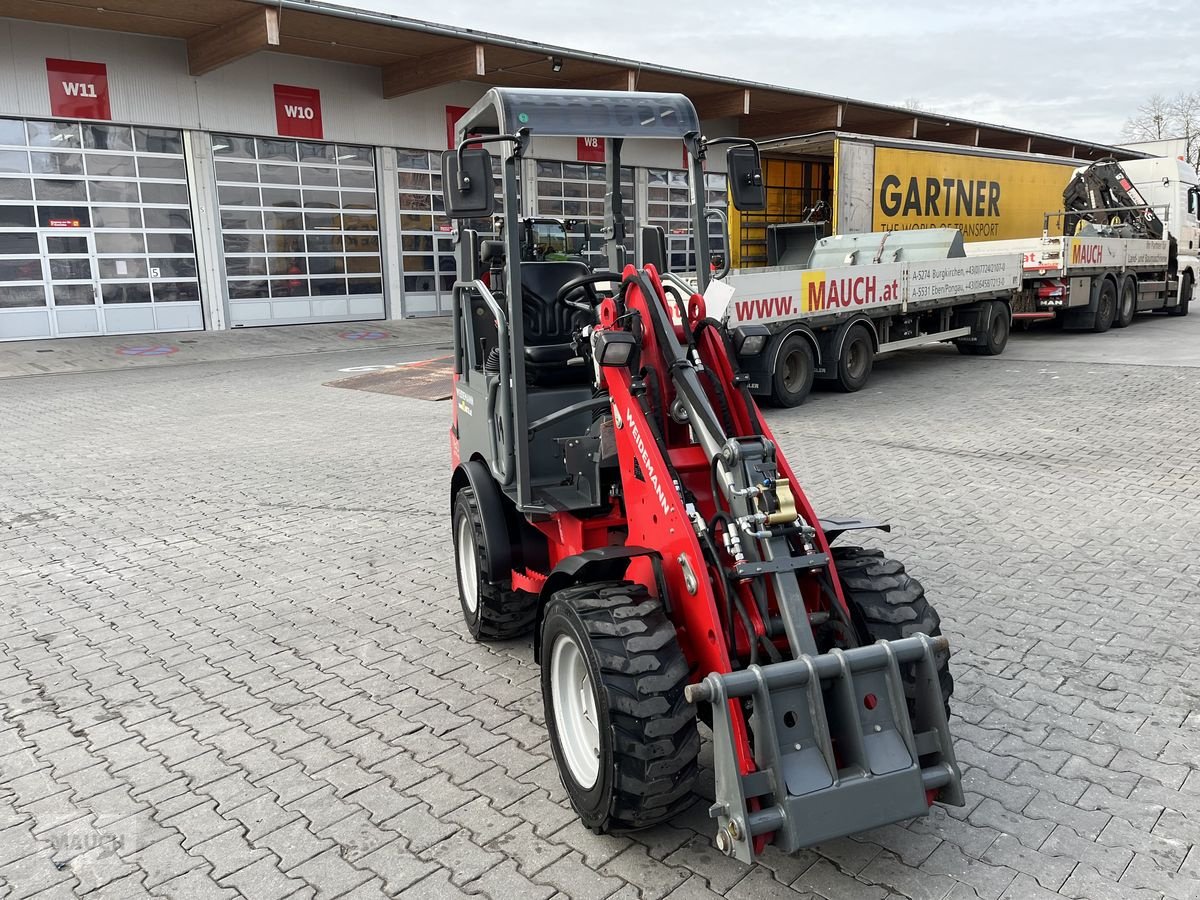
point(745, 178)
point(470, 192)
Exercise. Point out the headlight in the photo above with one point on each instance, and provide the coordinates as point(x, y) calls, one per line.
point(749, 340)
point(613, 348)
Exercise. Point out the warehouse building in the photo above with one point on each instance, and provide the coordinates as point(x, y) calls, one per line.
point(168, 166)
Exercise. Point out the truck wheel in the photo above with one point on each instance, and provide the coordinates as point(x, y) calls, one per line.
point(793, 377)
point(613, 675)
point(492, 612)
point(887, 603)
point(1185, 298)
point(1127, 306)
point(995, 337)
point(1106, 307)
point(856, 360)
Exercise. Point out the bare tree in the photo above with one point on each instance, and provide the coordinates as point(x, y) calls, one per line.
point(1159, 118)
point(1185, 113)
point(1152, 120)
point(914, 104)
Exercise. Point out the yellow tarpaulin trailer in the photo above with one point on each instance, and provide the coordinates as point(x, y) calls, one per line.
point(858, 183)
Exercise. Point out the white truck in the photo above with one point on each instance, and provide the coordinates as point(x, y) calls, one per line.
point(1130, 243)
point(861, 295)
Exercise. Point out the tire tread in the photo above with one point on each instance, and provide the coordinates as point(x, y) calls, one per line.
point(644, 672)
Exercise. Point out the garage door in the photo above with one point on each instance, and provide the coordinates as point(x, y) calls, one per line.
point(95, 231)
point(299, 230)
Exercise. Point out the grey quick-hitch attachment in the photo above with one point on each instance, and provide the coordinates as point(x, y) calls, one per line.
point(835, 749)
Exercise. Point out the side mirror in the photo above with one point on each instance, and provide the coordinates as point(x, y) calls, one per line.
point(470, 192)
point(745, 178)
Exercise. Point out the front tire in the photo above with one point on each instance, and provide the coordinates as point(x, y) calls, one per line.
point(1185, 298)
point(492, 611)
point(623, 736)
point(886, 603)
point(792, 379)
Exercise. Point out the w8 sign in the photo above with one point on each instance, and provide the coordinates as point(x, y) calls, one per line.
point(298, 111)
point(78, 90)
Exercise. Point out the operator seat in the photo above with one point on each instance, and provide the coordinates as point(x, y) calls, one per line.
point(549, 325)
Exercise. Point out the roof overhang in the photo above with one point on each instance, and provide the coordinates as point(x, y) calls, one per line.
point(414, 56)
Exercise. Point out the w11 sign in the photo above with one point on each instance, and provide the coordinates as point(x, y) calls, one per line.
point(298, 111)
point(78, 90)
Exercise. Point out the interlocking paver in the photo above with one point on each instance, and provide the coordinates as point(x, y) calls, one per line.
point(201, 657)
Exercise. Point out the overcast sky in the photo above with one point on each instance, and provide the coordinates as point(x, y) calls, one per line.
point(1069, 68)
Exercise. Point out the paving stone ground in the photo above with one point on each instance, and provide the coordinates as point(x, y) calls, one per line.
point(232, 661)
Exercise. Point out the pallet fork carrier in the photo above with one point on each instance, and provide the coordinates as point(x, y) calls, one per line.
point(616, 491)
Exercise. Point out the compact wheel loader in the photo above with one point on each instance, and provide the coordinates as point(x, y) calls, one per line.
point(616, 492)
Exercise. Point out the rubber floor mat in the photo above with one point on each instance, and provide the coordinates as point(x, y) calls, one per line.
point(430, 379)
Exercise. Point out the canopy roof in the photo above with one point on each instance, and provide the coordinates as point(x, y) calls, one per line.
point(603, 114)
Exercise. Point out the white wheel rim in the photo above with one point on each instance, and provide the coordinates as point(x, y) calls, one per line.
point(468, 575)
point(575, 711)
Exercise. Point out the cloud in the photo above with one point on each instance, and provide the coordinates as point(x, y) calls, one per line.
point(1076, 71)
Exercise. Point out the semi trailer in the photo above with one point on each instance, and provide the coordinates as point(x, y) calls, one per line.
point(1126, 241)
point(840, 183)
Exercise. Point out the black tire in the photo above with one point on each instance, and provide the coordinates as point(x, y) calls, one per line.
point(995, 338)
point(492, 611)
point(646, 732)
point(888, 604)
point(1106, 307)
point(856, 360)
point(792, 379)
point(1185, 298)
point(1127, 303)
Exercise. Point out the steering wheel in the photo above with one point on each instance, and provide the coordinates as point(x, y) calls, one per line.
point(583, 286)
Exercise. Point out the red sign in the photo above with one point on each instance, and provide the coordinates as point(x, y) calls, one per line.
point(64, 223)
point(78, 90)
point(298, 111)
point(589, 149)
point(453, 114)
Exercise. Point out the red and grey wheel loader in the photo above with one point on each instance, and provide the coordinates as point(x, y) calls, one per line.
point(616, 492)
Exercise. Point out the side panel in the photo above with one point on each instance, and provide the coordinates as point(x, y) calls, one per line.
point(783, 295)
point(984, 197)
point(854, 191)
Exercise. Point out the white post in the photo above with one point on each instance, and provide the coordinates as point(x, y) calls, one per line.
point(206, 228)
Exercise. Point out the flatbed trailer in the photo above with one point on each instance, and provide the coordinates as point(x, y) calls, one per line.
point(862, 295)
point(1094, 283)
point(1128, 242)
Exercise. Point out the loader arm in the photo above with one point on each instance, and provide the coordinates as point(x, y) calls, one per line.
point(827, 746)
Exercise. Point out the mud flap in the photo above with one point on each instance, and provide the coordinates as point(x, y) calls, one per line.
point(836, 751)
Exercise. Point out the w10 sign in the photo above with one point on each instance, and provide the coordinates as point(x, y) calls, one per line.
point(78, 90)
point(298, 111)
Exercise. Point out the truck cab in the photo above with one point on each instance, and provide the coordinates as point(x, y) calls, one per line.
point(1171, 183)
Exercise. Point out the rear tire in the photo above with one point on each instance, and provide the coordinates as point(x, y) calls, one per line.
point(792, 379)
point(1185, 298)
point(613, 641)
point(492, 611)
point(1106, 307)
point(995, 337)
point(888, 604)
point(1127, 306)
point(856, 360)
